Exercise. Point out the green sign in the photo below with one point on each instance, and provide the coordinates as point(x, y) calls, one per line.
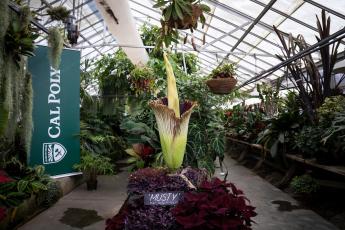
point(55, 140)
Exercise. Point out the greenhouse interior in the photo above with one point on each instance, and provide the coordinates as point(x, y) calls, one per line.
point(172, 114)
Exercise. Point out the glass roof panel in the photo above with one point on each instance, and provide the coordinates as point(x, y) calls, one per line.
point(245, 6)
point(337, 5)
point(222, 13)
point(230, 21)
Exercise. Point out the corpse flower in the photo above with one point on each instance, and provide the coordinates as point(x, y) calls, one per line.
point(172, 119)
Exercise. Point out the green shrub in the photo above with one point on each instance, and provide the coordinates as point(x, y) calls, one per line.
point(308, 141)
point(223, 71)
point(304, 184)
point(329, 108)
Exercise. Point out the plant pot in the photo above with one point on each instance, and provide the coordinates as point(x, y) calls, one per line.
point(221, 85)
point(189, 21)
point(91, 185)
point(142, 84)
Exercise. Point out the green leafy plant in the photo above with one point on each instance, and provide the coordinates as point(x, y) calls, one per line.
point(191, 61)
point(304, 184)
point(142, 79)
point(337, 128)
point(112, 71)
point(20, 36)
point(50, 196)
point(179, 14)
point(308, 141)
point(269, 96)
point(58, 13)
point(224, 71)
point(333, 136)
point(245, 123)
point(98, 137)
point(313, 87)
point(24, 182)
point(331, 106)
point(206, 133)
point(145, 147)
point(92, 165)
point(278, 134)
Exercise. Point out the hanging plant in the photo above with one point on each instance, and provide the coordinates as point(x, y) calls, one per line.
point(59, 13)
point(20, 36)
point(180, 15)
point(222, 79)
point(27, 108)
point(142, 79)
point(55, 42)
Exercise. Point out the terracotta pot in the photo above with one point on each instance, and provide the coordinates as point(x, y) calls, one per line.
point(221, 85)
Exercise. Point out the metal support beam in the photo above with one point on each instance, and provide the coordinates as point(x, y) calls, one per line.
point(210, 26)
point(287, 16)
point(85, 55)
point(311, 49)
point(251, 33)
point(94, 43)
point(280, 21)
point(16, 9)
point(325, 8)
point(263, 12)
point(149, 16)
point(215, 46)
point(224, 35)
point(52, 3)
point(240, 14)
point(173, 48)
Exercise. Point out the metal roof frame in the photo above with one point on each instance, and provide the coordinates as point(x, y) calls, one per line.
point(217, 41)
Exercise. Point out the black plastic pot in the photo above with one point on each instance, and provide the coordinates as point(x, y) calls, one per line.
point(91, 185)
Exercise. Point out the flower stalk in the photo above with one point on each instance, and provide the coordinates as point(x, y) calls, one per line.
point(172, 121)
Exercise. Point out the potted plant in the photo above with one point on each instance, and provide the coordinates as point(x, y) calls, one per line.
point(180, 15)
point(142, 79)
point(149, 189)
point(92, 165)
point(222, 79)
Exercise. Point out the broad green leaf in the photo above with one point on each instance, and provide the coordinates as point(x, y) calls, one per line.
point(38, 186)
point(178, 11)
point(274, 148)
point(168, 12)
point(131, 160)
point(132, 153)
point(22, 185)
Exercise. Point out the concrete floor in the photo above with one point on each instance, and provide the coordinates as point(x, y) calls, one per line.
point(112, 192)
point(268, 200)
point(106, 201)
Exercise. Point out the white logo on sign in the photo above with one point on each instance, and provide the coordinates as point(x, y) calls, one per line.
point(53, 152)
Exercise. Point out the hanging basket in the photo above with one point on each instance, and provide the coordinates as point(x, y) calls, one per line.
point(189, 21)
point(221, 85)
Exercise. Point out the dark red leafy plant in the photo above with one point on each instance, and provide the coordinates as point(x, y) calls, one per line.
point(215, 205)
point(154, 180)
point(2, 213)
point(4, 178)
point(134, 215)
